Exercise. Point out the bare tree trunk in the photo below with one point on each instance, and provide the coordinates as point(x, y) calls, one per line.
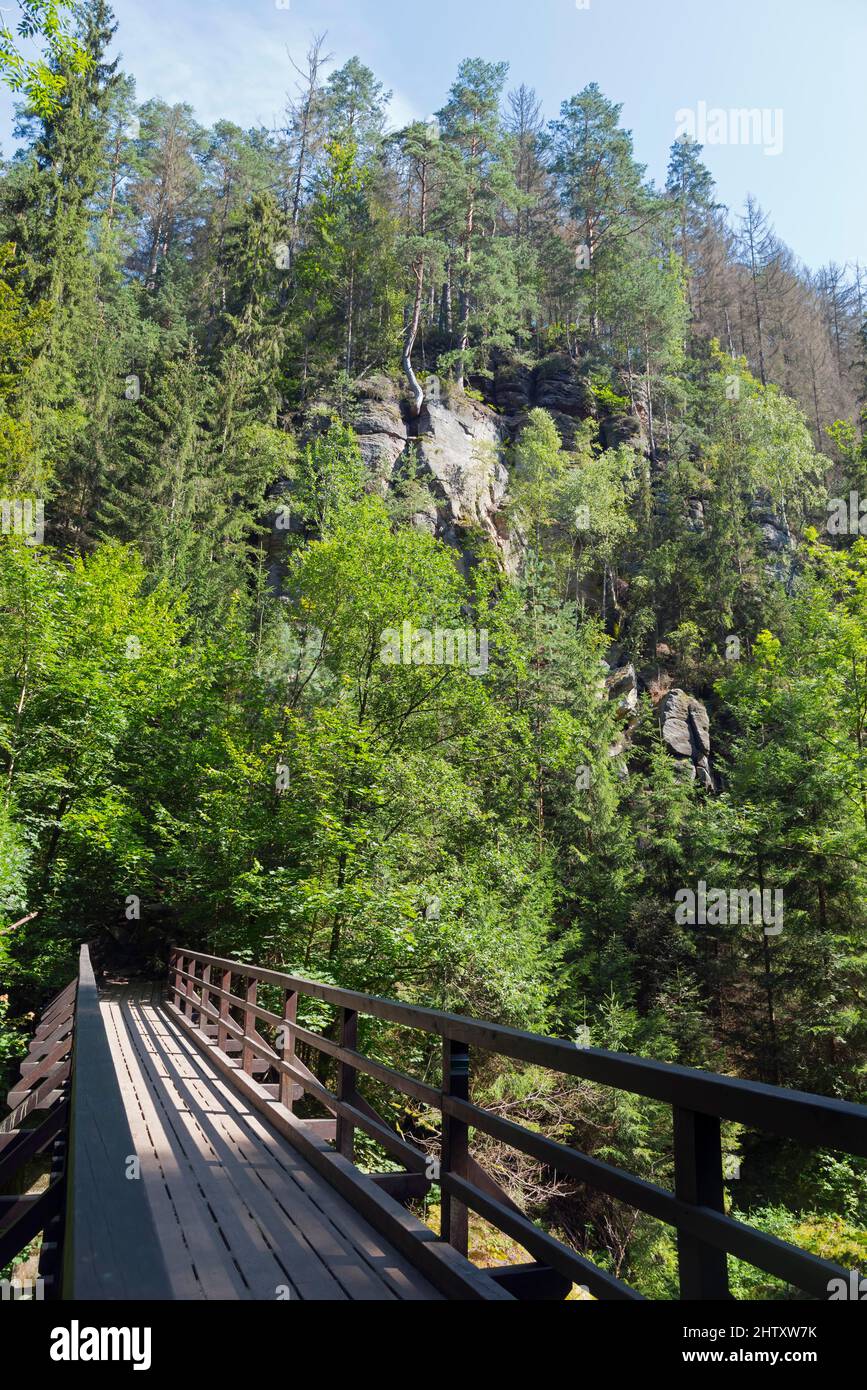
point(305, 117)
point(418, 296)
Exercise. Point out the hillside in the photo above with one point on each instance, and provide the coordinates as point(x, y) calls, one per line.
point(434, 561)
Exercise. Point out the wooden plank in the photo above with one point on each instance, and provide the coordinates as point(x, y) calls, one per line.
point(43, 1098)
point(287, 1090)
point(454, 1217)
point(321, 1203)
point(61, 1007)
point(268, 1250)
point(196, 1257)
point(346, 1084)
point(43, 1041)
point(22, 1222)
point(538, 1243)
point(321, 1212)
point(403, 1187)
point(111, 1249)
point(532, 1283)
point(28, 1142)
point(698, 1180)
point(444, 1267)
point(326, 1129)
point(277, 1178)
point(50, 1023)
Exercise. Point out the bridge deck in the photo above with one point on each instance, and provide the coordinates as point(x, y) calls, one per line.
point(240, 1214)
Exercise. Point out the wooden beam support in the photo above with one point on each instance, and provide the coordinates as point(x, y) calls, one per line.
point(533, 1283)
point(454, 1223)
point(698, 1179)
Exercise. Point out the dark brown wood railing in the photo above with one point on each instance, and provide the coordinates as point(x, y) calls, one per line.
point(41, 1092)
point(208, 1001)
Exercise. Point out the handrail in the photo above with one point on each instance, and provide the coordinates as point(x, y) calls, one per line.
point(699, 1101)
point(42, 1088)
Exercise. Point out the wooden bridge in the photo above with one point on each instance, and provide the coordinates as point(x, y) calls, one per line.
point(181, 1169)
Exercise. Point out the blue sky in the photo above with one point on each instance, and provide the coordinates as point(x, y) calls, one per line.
point(801, 57)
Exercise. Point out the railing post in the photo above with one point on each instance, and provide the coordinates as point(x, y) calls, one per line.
point(191, 997)
point(176, 965)
point(287, 1051)
point(698, 1179)
point(252, 997)
point(222, 1030)
point(455, 1144)
point(346, 1083)
point(205, 996)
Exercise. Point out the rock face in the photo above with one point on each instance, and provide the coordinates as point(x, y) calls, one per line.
point(555, 384)
point(776, 541)
point(686, 731)
point(380, 427)
point(513, 387)
point(459, 445)
point(560, 389)
point(620, 428)
point(695, 514)
point(622, 686)
point(458, 442)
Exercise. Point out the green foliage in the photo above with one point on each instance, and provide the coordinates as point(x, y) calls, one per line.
point(223, 715)
point(42, 81)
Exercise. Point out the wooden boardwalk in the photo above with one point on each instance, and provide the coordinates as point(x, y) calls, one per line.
point(238, 1197)
point(239, 1213)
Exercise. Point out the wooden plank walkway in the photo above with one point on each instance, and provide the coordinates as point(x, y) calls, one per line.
point(239, 1213)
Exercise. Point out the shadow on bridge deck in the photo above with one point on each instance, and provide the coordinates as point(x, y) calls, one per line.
point(238, 1212)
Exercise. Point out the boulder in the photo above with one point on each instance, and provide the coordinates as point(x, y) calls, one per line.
point(695, 514)
point(560, 389)
point(621, 428)
point(513, 387)
point(686, 731)
point(622, 686)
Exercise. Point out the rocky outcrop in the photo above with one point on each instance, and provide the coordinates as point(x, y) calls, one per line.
point(560, 389)
point(695, 514)
point(776, 542)
point(622, 686)
point(775, 534)
point(555, 385)
point(513, 387)
point(686, 731)
point(459, 444)
point(620, 427)
point(379, 423)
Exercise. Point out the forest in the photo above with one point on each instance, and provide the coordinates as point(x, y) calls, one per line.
point(429, 556)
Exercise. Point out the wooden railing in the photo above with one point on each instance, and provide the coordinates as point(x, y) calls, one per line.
point(42, 1090)
point(201, 988)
